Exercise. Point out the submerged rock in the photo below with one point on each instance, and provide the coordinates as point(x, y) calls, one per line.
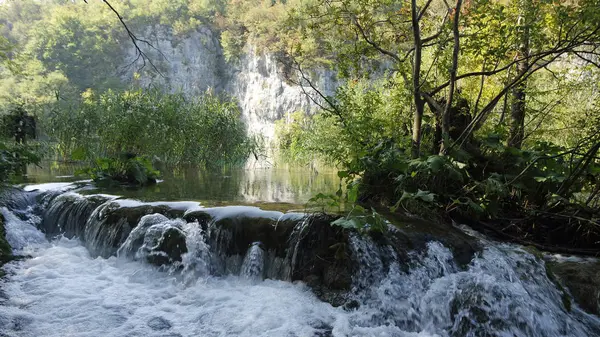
point(169, 248)
point(583, 281)
point(254, 263)
point(159, 323)
point(414, 234)
point(68, 213)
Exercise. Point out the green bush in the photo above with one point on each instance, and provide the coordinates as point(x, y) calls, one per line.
point(207, 130)
point(14, 159)
point(124, 170)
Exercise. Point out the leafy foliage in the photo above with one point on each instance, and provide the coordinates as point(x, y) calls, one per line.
point(131, 170)
point(207, 130)
point(14, 158)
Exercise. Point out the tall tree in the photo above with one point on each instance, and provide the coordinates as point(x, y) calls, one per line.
point(517, 111)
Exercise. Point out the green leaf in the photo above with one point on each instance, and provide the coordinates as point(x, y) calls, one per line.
point(425, 196)
point(353, 194)
point(79, 153)
point(351, 223)
point(436, 163)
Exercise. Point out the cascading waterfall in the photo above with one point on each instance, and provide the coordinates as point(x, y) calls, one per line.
point(126, 268)
point(254, 262)
point(21, 233)
point(198, 260)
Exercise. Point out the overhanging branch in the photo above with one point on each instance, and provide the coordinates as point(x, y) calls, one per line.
point(140, 54)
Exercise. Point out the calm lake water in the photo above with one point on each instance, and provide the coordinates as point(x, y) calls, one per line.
point(284, 184)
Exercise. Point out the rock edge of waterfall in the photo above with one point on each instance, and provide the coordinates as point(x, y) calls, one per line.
point(5, 249)
point(292, 246)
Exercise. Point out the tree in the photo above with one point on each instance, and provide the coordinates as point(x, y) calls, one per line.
point(489, 48)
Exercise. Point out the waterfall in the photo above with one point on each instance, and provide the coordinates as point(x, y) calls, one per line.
point(198, 261)
point(21, 233)
point(254, 263)
point(101, 265)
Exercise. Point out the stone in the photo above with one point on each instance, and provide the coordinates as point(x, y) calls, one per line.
point(169, 249)
point(159, 323)
point(5, 249)
point(582, 279)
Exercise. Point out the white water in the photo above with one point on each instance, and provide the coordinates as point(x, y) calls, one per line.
point(62, 291)
point(254, 262)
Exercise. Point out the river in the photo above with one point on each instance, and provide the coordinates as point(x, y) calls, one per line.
point(97, 266)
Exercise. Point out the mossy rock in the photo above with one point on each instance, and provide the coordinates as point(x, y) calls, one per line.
point(583, 281)
point(5, 249)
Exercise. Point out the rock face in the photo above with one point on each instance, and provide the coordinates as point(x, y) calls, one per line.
point(5, 250)
point(194, 64)
point(583, 281)
point(191, 64)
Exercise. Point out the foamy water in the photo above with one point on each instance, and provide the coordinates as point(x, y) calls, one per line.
point(62, 291)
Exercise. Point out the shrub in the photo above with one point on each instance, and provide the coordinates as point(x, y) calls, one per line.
point(127, 169)
point(207, 130)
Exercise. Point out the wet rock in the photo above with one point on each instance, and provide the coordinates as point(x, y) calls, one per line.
point(110, 224)
point(351, 305)
point(240, 227)
point(16, 199)
point(169, 249)
point(323, 330)
point(414, 234)
point(323, 259)
point(5, 249)
point(68, 213)
point(582, 279)
point(157, 239)
point(253, 264)
point(159, 323)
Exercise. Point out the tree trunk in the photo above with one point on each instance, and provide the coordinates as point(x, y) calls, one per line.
point(419, 102)
point(453, 70)
point(517, 109)
point(517, 116)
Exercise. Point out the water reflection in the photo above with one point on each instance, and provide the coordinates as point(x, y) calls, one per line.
point(282, 184)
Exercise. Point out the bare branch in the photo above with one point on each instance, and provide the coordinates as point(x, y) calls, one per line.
point(477, 122)
point(439, 32)
point(579, 55)
point(480, 87)
point(372, 43)
point(559, 49)
point(422, 12)
point(140, 54)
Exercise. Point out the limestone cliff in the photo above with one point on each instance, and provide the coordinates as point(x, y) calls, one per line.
point(194, 63)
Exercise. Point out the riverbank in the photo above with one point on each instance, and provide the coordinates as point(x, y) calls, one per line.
point(527, 197)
